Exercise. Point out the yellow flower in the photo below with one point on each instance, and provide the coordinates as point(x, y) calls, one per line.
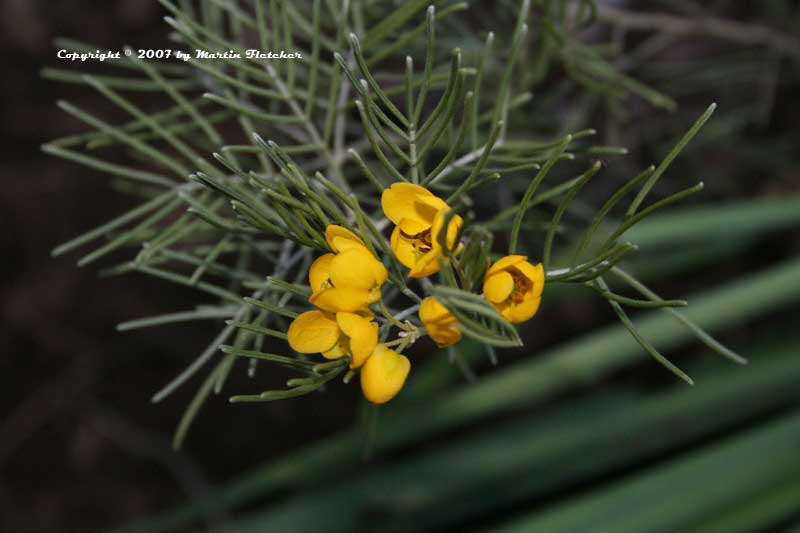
point(349, 279)
point(419, 217)
point(384, 374)
point(514, 287)
point(439, 322)
point(334, 335)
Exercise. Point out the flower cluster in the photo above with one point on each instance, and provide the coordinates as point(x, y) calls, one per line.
point(343, 284)
point(346, 282)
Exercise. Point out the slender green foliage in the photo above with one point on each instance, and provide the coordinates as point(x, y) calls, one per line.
point(250, 160)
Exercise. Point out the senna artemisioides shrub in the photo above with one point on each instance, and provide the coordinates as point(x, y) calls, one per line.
point(330, 205)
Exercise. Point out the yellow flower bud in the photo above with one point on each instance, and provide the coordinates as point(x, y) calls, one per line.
point(419, 217)
point(439, 322)
point(384, 374)
point(514, 287)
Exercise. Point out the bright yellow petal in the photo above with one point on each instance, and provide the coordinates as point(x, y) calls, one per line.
point(444, 336)
point(337, 352)
point(504, 308)
point(505, 262)
point(431, 310)
point(439, 322)
point(340, 238)
point(384, 374)
point(366, 313)
point(374, 295)
point(426, 265)
point(411, 226)
point(523, 311)
point(427, 207)
point(498, 286)
point(320, 272)
point(403, 248)
point(534, 273)
point(341, 244)
point(379, 272)
point(338, 299)
point(401, 201)
point(363, 336)
point(313, 332)
point(356, 362)
point(433, 202)
point(353, 268)
point(452, 229)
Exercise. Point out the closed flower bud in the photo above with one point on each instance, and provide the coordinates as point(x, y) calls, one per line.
point(439, 322)
point(384, 374)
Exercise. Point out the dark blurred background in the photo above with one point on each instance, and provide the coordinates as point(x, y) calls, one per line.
point(81, 446)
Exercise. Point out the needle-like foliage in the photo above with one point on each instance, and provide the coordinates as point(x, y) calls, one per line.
point(250, 159)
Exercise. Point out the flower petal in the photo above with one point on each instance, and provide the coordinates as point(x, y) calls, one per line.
point(384, 374)
point(353, 268)
point(505, 262)
point(504, 308)
point(337, 352)
point(366, 313)
point(523, 311)
point(534, 273)
point(401, 201)
point(320, 272)
point(335, 299)
point(428, 206)
point(452, 229)
point(340, 238)
point(444, 336)
point(363, 336)
point(412, 227)
point(426, 265)
point(313, 332)
point(439, 322)
point(403, 248)
point(379, 272)
point(431, 310)
point(498, 287)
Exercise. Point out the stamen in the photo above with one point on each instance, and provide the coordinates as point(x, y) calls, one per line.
point(522, 285)
point(421, 241)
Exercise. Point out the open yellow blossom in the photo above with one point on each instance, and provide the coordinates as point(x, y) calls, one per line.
point(349, 279)
point(334, 335)
point(384, 374)
point(514, 287)
point(439, 322)
point(419, 216)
